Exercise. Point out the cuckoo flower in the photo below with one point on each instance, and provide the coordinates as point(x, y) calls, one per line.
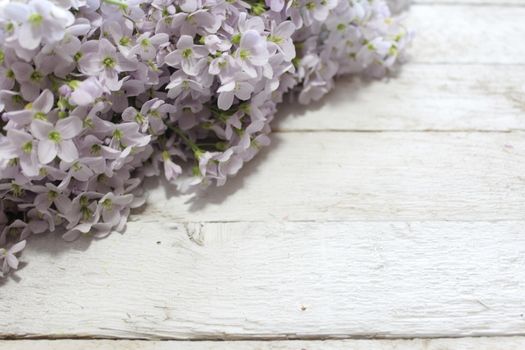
point(9, 258)
point(103, 61)
point(237, 86)
point(39, 21)
point(97, 95)
point(281, 37)
point(57, 139)
point(252, 52)
point(39, 109)
point(188, 56)
point(25, 147)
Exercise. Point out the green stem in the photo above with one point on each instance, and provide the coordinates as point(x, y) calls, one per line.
point(190, 143)
point(116, 3)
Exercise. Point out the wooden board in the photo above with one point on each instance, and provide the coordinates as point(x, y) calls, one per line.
point(498, 3)
point(391, 209)
point(367, 250)
point(499, 343)
point(367, 176)
point(467, 34)
point(420, 98)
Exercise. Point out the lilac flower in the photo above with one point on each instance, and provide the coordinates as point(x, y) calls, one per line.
point(281, 37)
point(96, 95)
point(57, 139)
point(275, 5)
point(39, 20)
point(39, 109)
point(25, 148)
point(30, 79)
point(252, 52)
point(112, 207)
point(104, 62)
point(148, 45)
point(238, 87)
point(86, 92)
point(51, 194)
point(9, 258)
point(187, 55)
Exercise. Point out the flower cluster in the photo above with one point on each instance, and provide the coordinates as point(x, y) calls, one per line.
point(96, 95)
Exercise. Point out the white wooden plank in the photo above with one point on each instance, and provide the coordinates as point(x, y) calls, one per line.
point(274, 279)
point(367, 176)
point(421, 97)
point(467, 34)
point(496, 343)
point(498, 3)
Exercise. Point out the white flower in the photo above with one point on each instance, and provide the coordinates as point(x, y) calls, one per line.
point(56, 139)
point(188, 56)
point(252, 52)
point(39, 21)
point(236, 86)
point(9, 257)
point(102, 59)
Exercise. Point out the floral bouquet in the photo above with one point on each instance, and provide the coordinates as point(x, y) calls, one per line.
point(96, 95)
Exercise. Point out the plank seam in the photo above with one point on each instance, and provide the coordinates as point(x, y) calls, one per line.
point(233, 338)
point(371, 131)
point(466, 4)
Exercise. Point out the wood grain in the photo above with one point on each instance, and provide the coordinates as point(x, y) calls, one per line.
point(366, 176)
point(421, 97)
point(495, 3)
point(496, 343)
point(344, 234)
point(465, 34)
point(274, 280)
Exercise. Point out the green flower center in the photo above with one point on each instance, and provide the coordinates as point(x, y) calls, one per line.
point(36, 19)
point(76, 166)
point(27, 147)
point(40, 116)
point(139, 118)
point(236, 39)
point(186, 53)
point(107, 204)
point(55, 136)
point(10, 27)
point(275, 39)
point(125, 41)
point(77, 56)
point(165, 155)
point(36, 76)
point(95, 149)
point(258, 9)
point(17, 190)
point(117, 134)
point(145, 42)
point(86, 213)
point(84, 201)
point(244, 54)
point(109, 62)
point(52, 195)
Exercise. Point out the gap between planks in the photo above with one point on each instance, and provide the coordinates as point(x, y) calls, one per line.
point(493, 343)
point(494, 3)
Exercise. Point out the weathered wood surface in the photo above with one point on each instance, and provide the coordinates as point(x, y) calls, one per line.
point(468, 34)
point(496, 343)
point(275, 280)
point(390, 210)
point(421, 98)
point(367, 176)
